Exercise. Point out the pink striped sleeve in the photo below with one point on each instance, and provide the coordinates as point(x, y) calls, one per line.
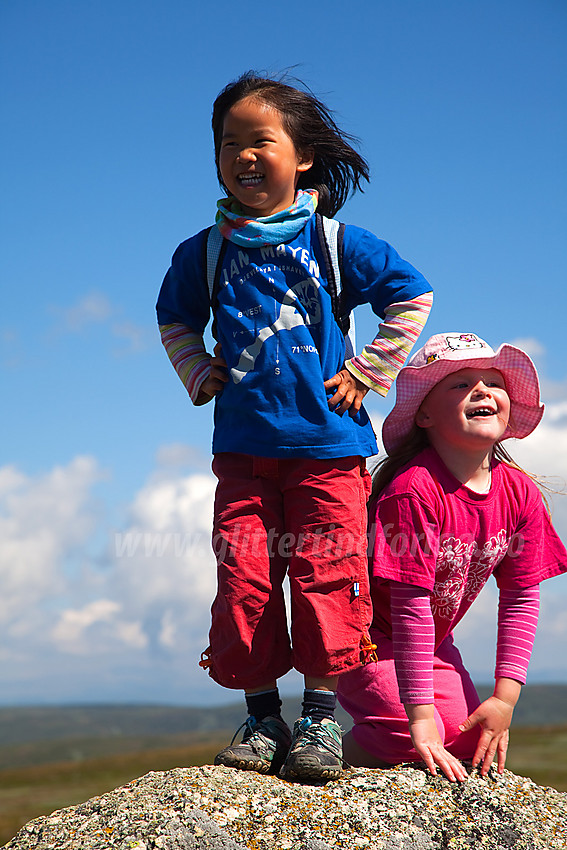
point(518, 612)
point(186, 350)
point(413, 636)
point(379, 363)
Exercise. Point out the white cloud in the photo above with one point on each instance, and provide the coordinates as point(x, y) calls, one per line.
point(544, 453)
point(159, 575)
point(95, 308)
point(533, 347)
point(91, 308)
point(177, 456)
point(77, 626)
point(163, 561)
point(135, 608)
point(133, 338)
point(555, 413)
point(44, 521)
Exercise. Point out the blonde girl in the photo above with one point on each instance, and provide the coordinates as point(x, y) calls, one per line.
point(450, 509)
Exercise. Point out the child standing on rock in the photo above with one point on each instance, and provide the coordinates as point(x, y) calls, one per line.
point(292, 482)
point(450, 508)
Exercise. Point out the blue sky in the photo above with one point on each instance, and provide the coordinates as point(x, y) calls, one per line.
point(107, 165)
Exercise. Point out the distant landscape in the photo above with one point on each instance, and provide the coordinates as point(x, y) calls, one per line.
point(55, 756)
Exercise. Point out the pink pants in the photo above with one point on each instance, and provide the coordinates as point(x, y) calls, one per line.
point(370, 695)
point(305, 517)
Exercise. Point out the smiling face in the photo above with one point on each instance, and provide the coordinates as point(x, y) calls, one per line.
point(468, 409)
point(258, 160)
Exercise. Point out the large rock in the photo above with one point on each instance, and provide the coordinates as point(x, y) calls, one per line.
point(217, 808)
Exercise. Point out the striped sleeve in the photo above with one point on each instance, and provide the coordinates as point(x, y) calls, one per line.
point(187, 353)
point(518, 612)
point(413, 637)
point(379, 363)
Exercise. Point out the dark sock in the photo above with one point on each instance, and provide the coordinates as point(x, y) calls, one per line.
point(319, 704)
point(262, 704)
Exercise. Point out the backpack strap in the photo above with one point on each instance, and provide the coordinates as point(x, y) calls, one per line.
point(214, 248)
point(330, 233)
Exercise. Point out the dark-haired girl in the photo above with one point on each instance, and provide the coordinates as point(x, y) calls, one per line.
point(292, 482)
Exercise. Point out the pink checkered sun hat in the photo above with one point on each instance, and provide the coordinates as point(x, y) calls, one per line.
point(449, 352)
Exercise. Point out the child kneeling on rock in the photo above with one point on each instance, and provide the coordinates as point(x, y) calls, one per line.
point(449, 509)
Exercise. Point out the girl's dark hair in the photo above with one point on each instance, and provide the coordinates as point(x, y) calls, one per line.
point(337, 168)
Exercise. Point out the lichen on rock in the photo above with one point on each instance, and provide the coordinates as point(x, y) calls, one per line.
point(404, 808)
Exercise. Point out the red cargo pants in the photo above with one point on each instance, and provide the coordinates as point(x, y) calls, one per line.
point(300, 516)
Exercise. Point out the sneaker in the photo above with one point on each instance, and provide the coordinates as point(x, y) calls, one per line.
point(264, 746)
point(316, 751)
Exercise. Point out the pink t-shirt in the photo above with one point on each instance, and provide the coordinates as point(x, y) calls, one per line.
point(429, 530)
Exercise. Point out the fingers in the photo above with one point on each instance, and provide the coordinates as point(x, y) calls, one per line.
point(342, 398)
point(430, 762)
point(214, 386)
point(496, 746)
point(488, 746)
point(219, 371)
point(218, 364)
point(485, 756)
point(428, 744)
point(348, 395)
point(450, 766)
point(494, 737)
point(341, 401)
point(469, 723)
point(216, 379)
point(502, 752)
point(333, 382)
point(208, 390)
